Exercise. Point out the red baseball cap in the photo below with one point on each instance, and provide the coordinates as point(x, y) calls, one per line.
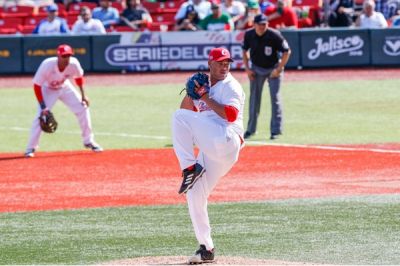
point(64, 49)
point(219, 54)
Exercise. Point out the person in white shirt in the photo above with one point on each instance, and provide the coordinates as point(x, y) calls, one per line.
point(51, 83)
point(234, 8)
point(86, 24)
point(52, 24)
point(370, 18)
point(202, 7)
point(214, 123)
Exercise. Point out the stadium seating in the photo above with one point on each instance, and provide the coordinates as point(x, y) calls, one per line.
point(118, 6)
point(163, 17)
point(162, 7)
point(26, 29)
point(161, 26)
point(71, 19)
point(62, 12)
point(33, 20)
point(18, 11)
point(9, 25)
point(74, 8)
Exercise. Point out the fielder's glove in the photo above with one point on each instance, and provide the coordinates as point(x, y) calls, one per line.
point(197, 85)
point(47, 121)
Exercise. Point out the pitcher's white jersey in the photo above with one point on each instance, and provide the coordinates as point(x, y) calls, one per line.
point(48, 75)
point(226, 92)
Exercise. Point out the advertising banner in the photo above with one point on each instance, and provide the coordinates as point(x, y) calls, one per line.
point(10, 55)
point(36, 49)
point(293, 39)
point(328, 48)
point(99, 47)
point(385, 46)
point(189, 50)
point(135, 51)
point(157, 51)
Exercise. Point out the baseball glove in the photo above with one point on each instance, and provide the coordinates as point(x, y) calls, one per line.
point(197, 85)
point(47, 122)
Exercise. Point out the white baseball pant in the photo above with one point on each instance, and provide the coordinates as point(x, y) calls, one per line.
point(73, 100)
point(218, 151)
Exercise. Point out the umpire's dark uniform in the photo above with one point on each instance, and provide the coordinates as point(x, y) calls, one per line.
point(266, 47)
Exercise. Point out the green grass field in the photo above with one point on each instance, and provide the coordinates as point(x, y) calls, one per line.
point(351, 230)
point(359, 230)
point(341, 112)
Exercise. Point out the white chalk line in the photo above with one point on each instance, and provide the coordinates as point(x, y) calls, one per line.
point(323, 147)
point(125, 135)
point(261, 143)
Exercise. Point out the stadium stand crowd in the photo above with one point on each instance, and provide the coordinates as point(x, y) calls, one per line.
point(82, 17)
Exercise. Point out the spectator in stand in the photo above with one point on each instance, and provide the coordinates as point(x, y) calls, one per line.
point(107, 14)
point(52, 24)
point(396, 20)
point(247, 21)
point(264, 4)
point(382, 7)
point(190, 22)
point(135, 15)
point(341, 13)
point(393, 9)
point(370, 18)
point(217, 21)
point(234, 8)
point(86, 24)
point(281, 16)
point(202, 7)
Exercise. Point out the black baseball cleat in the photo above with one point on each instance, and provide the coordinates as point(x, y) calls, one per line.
point(94, 147)
point(202, 255)
point(274, 136)
point(29, 153)
point(247, 135)
point(190, 177)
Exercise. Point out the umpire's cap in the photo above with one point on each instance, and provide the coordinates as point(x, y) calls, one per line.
point(261, 19)
point(219, 54)
point(64, 49)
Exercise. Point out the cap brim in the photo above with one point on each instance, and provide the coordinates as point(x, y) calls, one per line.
point(224, 58)
point(62, 54)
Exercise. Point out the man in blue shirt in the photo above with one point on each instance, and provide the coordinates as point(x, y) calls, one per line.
point(52, 24)
point(107, 14)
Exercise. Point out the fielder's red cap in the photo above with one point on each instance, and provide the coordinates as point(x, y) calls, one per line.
point(219, 54)
point(64, 49)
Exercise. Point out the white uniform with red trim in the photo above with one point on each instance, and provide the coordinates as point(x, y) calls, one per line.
point(219, 142)
point(57, 85)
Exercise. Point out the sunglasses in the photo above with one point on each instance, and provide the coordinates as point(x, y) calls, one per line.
point(65, 56)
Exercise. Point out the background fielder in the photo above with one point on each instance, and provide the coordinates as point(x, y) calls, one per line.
point(51, 82)
point(214, 123)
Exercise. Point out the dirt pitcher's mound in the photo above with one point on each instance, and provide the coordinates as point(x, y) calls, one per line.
point(220, 260)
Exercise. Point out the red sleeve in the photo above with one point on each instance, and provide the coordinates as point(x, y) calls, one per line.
point(39, 96)
point(79, 81)
point(38, 92)
point(231, 113)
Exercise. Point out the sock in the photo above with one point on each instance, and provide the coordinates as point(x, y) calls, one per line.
point(190, 168)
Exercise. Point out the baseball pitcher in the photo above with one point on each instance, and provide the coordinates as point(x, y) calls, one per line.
point(210, 117)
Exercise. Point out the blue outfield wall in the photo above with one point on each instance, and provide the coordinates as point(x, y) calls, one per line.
point(163, 51)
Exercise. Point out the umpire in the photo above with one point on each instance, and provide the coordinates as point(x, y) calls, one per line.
point(268, 52)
